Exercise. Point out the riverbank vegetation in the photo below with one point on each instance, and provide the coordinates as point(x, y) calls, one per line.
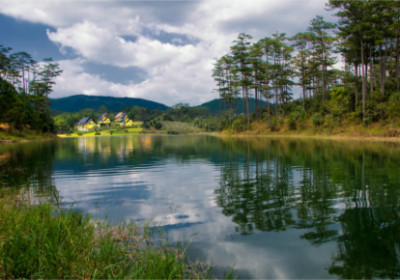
point(44, 241)
point(25, 85)
point(362, 93)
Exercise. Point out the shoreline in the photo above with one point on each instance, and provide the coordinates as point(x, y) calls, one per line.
point(336, 137)
point(225, 134)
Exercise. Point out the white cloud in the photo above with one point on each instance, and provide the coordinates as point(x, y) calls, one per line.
point(95, 30)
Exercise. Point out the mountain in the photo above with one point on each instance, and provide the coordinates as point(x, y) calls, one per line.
point(76, 103)
point(215, 106)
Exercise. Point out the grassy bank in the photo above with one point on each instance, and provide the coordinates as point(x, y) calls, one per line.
point(18, 136)
point(389, 130)
point(106, 132)
point(43, 241)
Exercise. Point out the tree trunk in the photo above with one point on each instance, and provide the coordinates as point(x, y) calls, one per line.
point(382, 71)
point(397, 62)
point(303, 84)
point(276, 101)
point(364, 79)
point(356, 84)
point(371, 71)
point(247, 107)
point(256, 103)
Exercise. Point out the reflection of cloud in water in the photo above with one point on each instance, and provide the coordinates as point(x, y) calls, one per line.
point(158, 192)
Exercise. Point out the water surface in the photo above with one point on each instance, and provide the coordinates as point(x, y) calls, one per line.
point(273, 208)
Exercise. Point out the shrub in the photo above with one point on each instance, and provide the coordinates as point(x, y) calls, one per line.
point(273, 124)
point(157, 125)
point(317, 119)
point(292, 122)
point(239, 124)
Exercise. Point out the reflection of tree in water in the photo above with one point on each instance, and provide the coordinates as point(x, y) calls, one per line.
point(369, 245)
point(27, 167)
point(255, 199)
point(321, 189)
point(261, 194)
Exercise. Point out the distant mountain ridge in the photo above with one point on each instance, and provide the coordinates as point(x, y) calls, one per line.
point(76, 103)
point(215, 106)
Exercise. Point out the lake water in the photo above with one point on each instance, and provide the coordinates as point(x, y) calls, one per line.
point(273, 208)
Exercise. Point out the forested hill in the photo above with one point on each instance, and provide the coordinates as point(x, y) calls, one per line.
point(216, 106)
point(77, 103)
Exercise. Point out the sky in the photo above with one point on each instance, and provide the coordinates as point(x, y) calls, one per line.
point(160, 50)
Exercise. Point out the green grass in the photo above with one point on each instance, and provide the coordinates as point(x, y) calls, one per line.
point(174, 127)
point(107, 132)
point(23, 135)
point(43, 241)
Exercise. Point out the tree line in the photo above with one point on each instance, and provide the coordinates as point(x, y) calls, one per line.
point(365, 40)
point(25, 85)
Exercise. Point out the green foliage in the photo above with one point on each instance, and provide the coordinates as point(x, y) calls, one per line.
point(317, 119)
point(24, 111)
point(273, 124)
point(239, 124)
point(292, 123)
point(339, 103)
point(393, 108)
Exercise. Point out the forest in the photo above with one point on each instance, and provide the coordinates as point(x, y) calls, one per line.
point(25, 85)
point(345, 72)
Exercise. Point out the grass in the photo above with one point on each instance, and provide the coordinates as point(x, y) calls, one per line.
point(330, 128)
point(25, 135)
point(44, 241)
point(174, 127)
point(107, 132)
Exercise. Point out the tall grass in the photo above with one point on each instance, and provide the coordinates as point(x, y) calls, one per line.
point(43, 241)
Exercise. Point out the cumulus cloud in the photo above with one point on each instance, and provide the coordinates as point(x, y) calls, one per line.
point(178, 63)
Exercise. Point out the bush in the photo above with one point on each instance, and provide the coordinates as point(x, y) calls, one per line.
point(394, 105)
point(317, 119)
point(157, 125)
point(273, 124)
point(239, 124)
point(292, 122)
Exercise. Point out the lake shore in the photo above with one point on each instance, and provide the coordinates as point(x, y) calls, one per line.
point(314, 136)
point(25, 136)
point(376, 132)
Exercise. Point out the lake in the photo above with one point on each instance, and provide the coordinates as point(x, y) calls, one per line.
point(270, 207)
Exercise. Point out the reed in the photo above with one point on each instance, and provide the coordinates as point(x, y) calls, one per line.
point(45, 241)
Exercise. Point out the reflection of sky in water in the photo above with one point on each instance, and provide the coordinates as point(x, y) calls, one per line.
point(180, 196)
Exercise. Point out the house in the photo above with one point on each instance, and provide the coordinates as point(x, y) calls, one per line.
point(103, 120)
point(85, 124)
point(120, 116)
point(123, 120)
point(126, 122)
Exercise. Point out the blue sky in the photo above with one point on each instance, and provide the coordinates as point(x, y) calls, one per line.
point(160, 50)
